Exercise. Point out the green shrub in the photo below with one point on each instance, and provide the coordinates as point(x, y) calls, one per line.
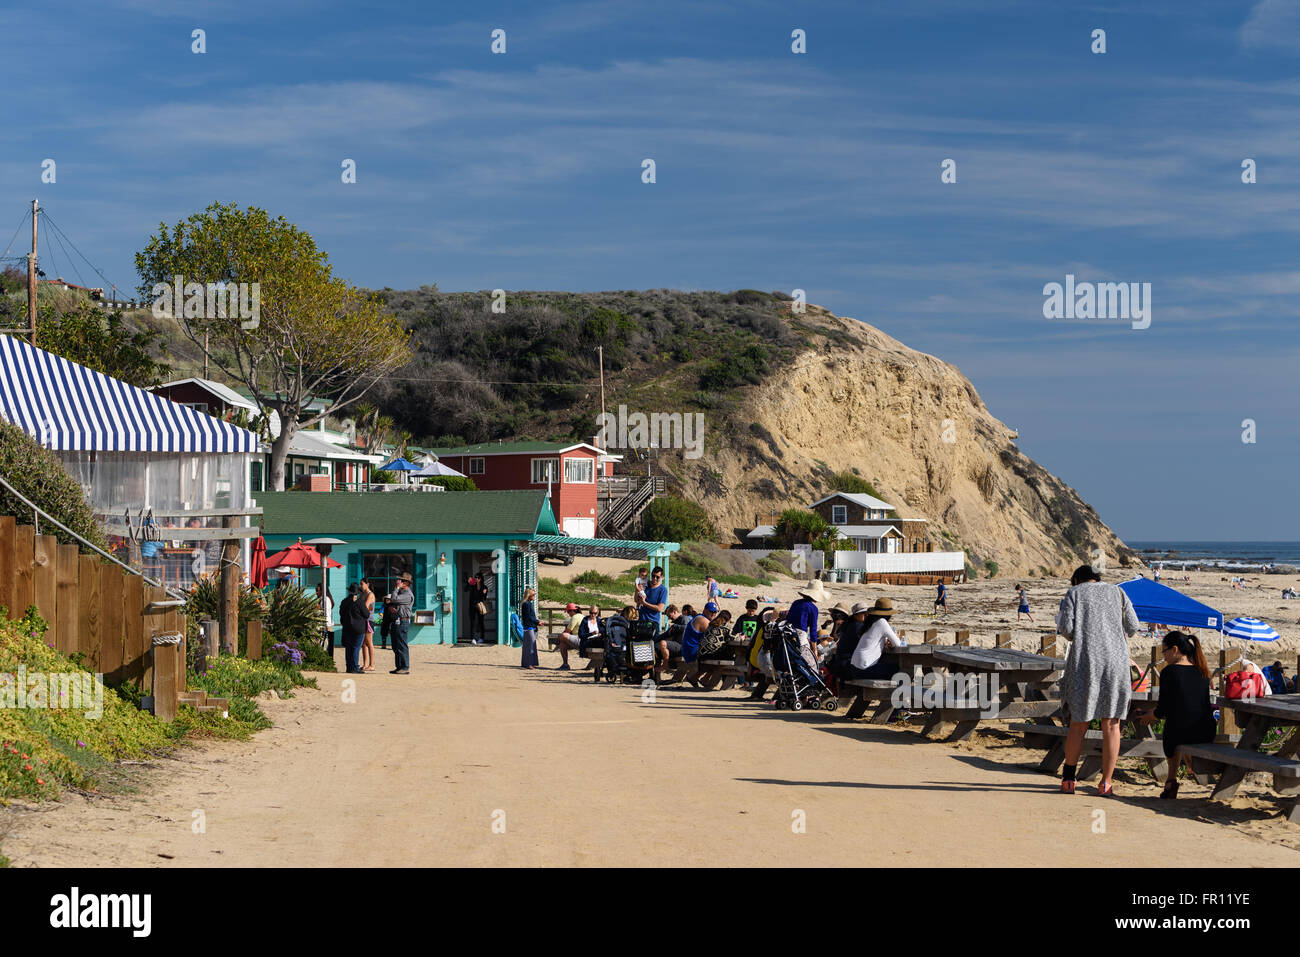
point(39, 476)
point(670, 518)
point(991, 567)
point(453, 483)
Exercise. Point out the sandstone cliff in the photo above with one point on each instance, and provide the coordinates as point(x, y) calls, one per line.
point(914, 427)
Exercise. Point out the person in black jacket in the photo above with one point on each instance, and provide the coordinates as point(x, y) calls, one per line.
point(1184, 701)
point(353, 616)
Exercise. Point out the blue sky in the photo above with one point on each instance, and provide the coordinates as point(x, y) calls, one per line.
point(774, 171)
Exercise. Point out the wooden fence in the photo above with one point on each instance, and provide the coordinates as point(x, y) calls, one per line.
point(101, 611)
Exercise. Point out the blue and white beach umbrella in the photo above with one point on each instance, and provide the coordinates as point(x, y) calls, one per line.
point(1250, 629)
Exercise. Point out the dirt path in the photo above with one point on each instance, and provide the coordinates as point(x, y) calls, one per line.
point(419, 768)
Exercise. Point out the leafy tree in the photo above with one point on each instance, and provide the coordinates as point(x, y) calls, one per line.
point(316, 337)
point(100, 341)
point(670, 518)
point(40, 477)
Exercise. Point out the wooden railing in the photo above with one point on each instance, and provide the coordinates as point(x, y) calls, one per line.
point(103, 612)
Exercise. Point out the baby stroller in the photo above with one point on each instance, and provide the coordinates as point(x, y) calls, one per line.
point(617, 635)
point(642, 638)
point(798, 685)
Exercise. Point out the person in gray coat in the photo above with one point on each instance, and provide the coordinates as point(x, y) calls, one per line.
point(1097, 618)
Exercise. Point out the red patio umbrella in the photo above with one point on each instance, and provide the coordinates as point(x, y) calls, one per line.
point(299, 555)
point(257, 571)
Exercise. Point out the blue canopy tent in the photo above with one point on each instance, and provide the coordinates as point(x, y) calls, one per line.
point(1161, 605)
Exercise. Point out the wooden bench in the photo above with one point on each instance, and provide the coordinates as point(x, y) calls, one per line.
point(1052, 737)
point(868, 692)
point(1232, 764)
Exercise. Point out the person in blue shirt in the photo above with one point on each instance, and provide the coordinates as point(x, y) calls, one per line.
point(652, 602)
point(941, 599)
point(803, 612)
point(691, 635)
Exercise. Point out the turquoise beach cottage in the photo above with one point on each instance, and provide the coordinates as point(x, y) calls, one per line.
point(441, 539)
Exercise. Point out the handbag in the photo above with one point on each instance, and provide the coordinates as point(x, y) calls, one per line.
point(1244, 684)
point(482, 608)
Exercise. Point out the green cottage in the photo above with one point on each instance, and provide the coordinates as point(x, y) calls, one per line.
point(442, 539)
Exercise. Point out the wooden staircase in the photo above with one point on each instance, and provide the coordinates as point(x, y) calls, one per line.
point(622, 503)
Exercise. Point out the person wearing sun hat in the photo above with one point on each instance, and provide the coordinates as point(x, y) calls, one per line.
point(867, 660)
point(803, 611)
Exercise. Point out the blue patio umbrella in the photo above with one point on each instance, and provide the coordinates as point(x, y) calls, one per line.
point(400, 464)
point(1250, 629)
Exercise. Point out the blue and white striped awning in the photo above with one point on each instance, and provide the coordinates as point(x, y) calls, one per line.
point(69, 408)
point(1250, 629)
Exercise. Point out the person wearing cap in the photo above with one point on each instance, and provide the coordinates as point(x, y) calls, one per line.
point(401, 601)
point(570, 637)
point(867, 660)
point(803, 612)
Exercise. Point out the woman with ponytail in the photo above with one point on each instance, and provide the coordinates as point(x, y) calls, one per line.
point(1184, 701)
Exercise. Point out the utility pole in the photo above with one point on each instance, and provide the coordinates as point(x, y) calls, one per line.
point(205, 353)
point(604, 439)
point(31, 278)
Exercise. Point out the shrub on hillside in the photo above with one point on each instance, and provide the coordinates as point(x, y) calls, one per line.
point(39, 476)
point(697, 559)
point(672, 519)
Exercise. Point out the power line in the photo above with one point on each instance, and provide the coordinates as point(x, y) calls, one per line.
point(98, 272)
point(21, 222)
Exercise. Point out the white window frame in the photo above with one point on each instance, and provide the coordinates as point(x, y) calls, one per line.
point(555, 478)
point(580, 460)
point(839, 515)
point(481, 467)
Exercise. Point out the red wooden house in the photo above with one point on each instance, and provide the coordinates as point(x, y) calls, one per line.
point(569, 470)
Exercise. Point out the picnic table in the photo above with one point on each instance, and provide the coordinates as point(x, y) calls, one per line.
point(1256, 717)
point(1024, 682)
point(1051, 734)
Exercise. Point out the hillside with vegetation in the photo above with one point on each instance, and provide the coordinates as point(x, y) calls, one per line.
point(790, 400)
point(795, 405)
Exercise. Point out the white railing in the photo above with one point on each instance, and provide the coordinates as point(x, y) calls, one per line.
point(901, 563)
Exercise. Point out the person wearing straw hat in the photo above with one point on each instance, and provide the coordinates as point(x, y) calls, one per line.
point(803, 611)
point(867, 660)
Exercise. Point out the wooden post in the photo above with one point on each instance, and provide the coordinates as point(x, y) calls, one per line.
point(88, 612)
point(24, 570)
point(931, 636)
point(1047, 645)
point(253, 640)
point(1002, 639)
point(230, 586)
point(164, 680)
point(45, 564)
point(1155, 674)
point(65, 599)
point(961, 638)
point(137, 656)
point(111, 588)
point(8, 567)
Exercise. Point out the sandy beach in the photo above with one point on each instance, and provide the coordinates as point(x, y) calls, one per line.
point(985, 607)
point(470, 761)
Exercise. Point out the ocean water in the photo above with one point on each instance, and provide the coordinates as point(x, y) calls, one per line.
point(1220, 554)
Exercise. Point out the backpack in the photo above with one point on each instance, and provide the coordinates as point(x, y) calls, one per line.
point(1244, 684)
point(516, 625)
point(712, 640)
